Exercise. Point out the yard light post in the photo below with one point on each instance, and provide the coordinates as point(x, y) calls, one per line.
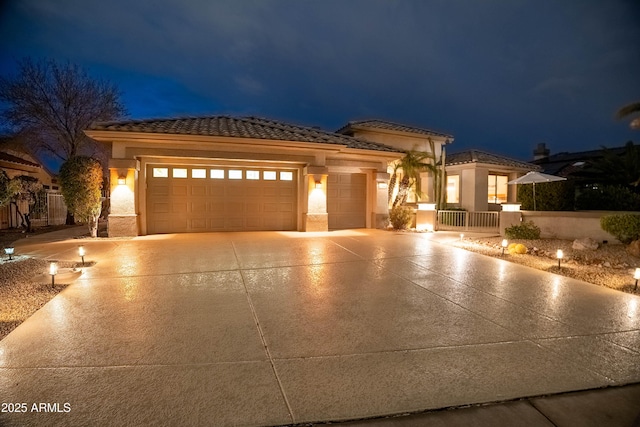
point(9, 251)
point(53, 270)
point(636, 276)
point(81, 252)
point(559, 255)
point(505, 243)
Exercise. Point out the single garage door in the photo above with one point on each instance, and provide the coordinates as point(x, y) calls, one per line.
point(188, 199)
point(347, 200)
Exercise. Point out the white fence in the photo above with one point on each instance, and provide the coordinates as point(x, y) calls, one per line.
point(468, 221)
point(49, 210)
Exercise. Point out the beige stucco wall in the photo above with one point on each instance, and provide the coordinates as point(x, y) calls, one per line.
point(570, 225)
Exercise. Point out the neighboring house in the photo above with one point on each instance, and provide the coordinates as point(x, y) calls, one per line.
point(477, 181)
point(243, 173)
point(15, 160)
point(565, 164)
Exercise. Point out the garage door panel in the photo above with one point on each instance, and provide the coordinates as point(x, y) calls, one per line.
point(188, 199)
point(346, 200)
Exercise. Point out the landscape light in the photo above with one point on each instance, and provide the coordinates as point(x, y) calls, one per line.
point(461, 236)
point(505, 243)
point(81, 253)
point(9, 251)
point(636, 276)
point(559, 255)
point(53, 270)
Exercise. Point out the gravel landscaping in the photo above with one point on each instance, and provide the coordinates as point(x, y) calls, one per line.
point(609, 265)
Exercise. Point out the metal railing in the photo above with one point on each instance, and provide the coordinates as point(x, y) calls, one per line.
point(49, 209)
point(463, 220)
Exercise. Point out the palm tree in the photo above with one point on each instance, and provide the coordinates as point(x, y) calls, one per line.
point(412, 164)
point(628, 110)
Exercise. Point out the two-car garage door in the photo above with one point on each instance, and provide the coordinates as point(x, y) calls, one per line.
point(187, 199)
point(197, 199)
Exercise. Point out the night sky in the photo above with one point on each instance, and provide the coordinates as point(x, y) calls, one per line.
point(499, 75)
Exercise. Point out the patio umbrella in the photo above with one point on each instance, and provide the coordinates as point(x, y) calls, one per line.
point(536, 178)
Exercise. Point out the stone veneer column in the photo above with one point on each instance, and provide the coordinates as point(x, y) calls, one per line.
point(315, 215)
point(123, 219)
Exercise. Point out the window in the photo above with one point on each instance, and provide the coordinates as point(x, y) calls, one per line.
point(160, 172)
point(235, 174)
point(286, 176)
point(453, 189)
point(497, 189)
point(179, 173)
point(198, 173)
point(253, 174)
point(217, 174)
point(269, 175)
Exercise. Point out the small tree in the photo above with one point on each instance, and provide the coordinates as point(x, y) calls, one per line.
point(81, 181)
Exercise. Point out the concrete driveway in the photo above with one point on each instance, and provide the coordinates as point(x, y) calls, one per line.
point(280, 328)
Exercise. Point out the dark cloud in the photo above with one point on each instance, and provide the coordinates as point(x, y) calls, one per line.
point(500, 75)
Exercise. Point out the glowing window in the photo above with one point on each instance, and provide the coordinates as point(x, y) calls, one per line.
point(198, 173)
point(253, 174)
point(286, 176)
point(235, 174)
point(453, 189)
point(160, 172)
point(269, 175)
point(179, 173)
point(217, 174)
point(497, 189)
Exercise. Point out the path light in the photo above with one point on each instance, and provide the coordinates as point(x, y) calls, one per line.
point(9, 251)
point(53, 270)
point(559, 255)
point(461, 236)
point(636, 276)
point(81, 253)
point(505, 243)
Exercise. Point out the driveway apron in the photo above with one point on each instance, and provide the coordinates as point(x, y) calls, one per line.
point(272, 328)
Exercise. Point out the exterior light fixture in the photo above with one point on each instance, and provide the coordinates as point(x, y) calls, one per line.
point(383, 185)
point(122, 180)
point(53, 270)
point(81, 253)
point(636, 276)
point(559, 255)
point(9, 251)
point(505, 243)
point(511, 207)
point(461, 236)
point(426, 206)
point(318, 185)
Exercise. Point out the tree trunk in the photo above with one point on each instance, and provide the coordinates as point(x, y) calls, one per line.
point(70, 219)
point(93, 226)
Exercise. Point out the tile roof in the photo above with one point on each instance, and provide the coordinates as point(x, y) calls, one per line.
point(565, 164)
point(383, 124)
point(240, 127)
point(477, 156)
point(15, 159)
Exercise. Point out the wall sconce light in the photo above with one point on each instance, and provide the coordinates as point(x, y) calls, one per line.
point(9, 251)
point(505, 243)
point(81, 253)
point(383, 186)
point(318, 185)
point(636, 276)
point(122, 180)
point(559, 255)
point(53, 270)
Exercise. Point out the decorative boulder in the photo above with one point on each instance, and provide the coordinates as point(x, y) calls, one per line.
point(634, 248)
point(585, 244)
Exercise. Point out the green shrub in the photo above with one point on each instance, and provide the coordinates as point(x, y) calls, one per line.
point(624, 227)
point(527, 230)
point(400, 217)
point(615, 198)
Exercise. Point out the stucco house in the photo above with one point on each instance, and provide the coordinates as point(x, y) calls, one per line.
point(477, 180)
point(225, 173)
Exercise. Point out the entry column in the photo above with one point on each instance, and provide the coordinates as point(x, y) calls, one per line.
point(315, 215)
point(123, 220)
